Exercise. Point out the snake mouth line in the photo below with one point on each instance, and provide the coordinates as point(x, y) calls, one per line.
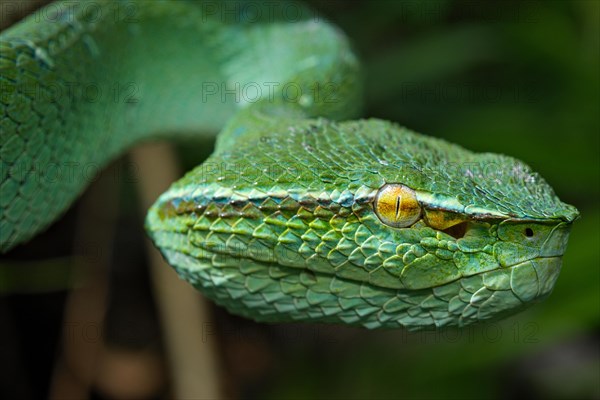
point(532, 259)
point(508, 268)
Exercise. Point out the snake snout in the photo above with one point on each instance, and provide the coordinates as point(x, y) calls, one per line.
point(556, 243)
point(534, 280)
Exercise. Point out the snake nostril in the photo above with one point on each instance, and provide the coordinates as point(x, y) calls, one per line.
point(528, 232)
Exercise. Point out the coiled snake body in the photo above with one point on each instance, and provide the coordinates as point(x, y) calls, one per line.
point(296, 216)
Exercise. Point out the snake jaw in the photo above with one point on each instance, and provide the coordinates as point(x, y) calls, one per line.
point(508, 291)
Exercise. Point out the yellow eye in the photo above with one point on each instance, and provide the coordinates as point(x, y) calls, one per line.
point(396, 205)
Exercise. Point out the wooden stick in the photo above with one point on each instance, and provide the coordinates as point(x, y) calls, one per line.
point(183, 311)
point(85, 307)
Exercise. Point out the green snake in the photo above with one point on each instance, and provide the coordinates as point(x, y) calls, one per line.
point(299, 214)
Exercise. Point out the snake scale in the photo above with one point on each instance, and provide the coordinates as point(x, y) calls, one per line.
point(299, 214)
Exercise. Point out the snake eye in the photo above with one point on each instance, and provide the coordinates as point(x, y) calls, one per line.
point(397, 206)
point(528, 232)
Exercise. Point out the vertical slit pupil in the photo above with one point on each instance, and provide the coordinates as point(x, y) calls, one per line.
point(397, 207)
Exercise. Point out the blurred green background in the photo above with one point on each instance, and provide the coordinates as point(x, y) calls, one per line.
point(520, 78)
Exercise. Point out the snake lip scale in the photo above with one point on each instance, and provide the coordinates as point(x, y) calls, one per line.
point(310, 216)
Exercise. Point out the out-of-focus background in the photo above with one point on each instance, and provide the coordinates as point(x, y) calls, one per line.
point(80, 315)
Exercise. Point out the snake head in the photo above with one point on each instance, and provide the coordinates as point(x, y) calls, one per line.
point(363, 223)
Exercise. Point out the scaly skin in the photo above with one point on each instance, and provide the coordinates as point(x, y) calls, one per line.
point(280, 223)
